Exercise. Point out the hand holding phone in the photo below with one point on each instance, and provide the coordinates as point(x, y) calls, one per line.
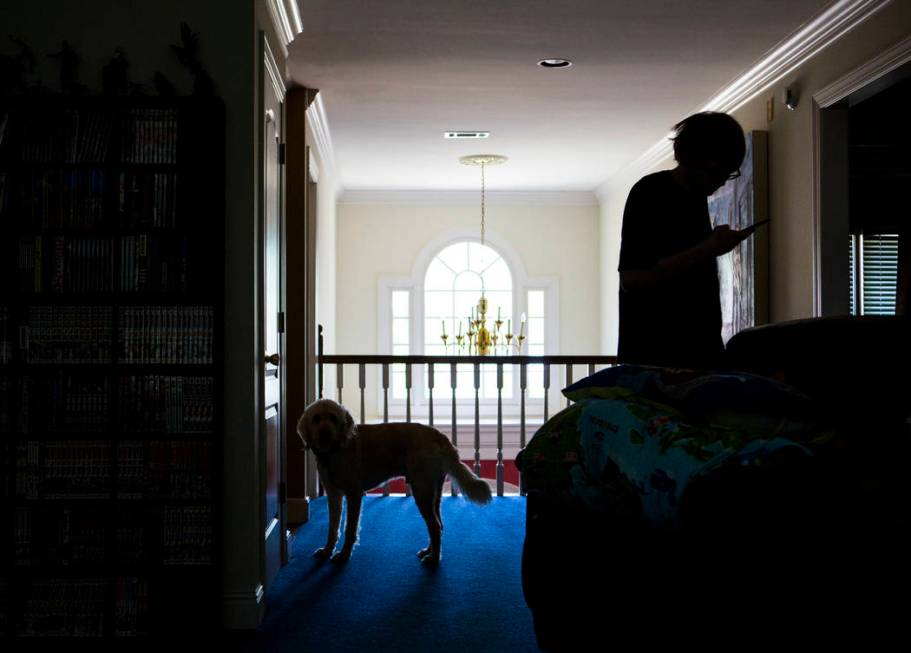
point(753, 226)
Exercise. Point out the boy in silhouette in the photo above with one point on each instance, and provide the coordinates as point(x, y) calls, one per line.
point(670, 305)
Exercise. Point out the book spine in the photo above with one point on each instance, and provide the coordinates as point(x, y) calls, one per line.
point(39, 257)
point(59, 263)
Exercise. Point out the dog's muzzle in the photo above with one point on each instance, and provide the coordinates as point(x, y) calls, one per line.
point(323, 440)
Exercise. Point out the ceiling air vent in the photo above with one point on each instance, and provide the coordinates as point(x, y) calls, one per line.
point(473, 135)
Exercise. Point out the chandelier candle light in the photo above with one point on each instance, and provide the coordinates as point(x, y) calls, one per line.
point(484, 339)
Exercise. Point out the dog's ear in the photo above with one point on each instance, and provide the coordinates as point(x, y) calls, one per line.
point(349, 424)
point(302, 430)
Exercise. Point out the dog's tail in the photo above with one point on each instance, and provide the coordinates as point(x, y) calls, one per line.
point(474, 488)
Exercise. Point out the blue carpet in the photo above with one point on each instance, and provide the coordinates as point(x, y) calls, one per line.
point(383, 599)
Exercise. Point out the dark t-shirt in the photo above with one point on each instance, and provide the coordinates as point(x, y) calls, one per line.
point(679, 323)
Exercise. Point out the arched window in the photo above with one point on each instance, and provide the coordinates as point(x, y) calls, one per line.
point(446, 282)
point(453, 284)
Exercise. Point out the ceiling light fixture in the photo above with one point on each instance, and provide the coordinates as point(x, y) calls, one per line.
point(484, 341)
point(555, 63)
point(466, 134)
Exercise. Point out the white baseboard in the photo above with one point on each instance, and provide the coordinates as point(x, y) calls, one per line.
point(242, 610)
point(298, 510)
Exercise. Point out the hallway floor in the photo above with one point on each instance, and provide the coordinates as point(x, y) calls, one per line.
point(384, 599)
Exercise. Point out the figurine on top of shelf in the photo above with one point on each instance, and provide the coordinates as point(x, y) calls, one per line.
point(114, 75)
point(187, 55)
point(69, 62)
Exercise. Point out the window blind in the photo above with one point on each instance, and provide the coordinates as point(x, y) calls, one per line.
point(874, 266)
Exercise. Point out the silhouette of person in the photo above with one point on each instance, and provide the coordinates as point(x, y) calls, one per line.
point(670, 306)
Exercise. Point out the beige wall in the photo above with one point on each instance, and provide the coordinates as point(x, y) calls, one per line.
point(327, 189)
point(379, 240)
point(790, 171)
point(376, 240)
point(327, 192)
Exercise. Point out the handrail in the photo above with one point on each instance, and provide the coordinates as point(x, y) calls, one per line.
point(453, 361)
point(417, 359)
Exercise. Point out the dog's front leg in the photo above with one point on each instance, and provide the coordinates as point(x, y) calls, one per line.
point(352, 521)
point(334, 499)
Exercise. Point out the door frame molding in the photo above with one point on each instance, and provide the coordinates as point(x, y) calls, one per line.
point(269, 74)
point(884, 63)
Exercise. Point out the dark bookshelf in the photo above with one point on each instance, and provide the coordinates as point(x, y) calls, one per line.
point(111, 306)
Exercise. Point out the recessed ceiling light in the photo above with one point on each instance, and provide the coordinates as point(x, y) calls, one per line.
point(466, 134)
point(555, 63)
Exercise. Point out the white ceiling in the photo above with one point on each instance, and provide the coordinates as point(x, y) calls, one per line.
point(394, 75)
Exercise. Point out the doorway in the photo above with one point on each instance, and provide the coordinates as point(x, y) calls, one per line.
point(270, 306)
point(862, 178)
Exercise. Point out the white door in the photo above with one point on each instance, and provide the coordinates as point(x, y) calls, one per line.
point(271, 447)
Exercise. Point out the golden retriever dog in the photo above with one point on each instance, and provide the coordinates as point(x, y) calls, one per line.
point(353, 459)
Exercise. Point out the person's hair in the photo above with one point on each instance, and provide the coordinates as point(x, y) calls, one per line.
point(707, 138)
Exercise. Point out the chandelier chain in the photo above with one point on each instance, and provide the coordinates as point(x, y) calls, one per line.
point(482, 204)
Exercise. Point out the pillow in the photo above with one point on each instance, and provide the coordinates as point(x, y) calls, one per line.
point(732, 399)
point(641, 379)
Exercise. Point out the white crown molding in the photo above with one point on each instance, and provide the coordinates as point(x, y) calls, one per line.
point(898, 55)
point(322, 140)
point(286, 19)
point(272, 68)
point(294, 16)
point(282, 28)
point(791, 53)
point(470, 197)
point(796, 50)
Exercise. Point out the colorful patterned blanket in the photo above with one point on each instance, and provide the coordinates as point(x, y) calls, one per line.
point(636, 437)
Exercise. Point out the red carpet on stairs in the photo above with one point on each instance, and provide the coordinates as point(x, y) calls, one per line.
point(488, 471)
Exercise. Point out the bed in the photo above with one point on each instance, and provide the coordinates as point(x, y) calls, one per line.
point(664, 496)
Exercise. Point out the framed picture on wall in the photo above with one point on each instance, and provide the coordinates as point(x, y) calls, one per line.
point(743, 273)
